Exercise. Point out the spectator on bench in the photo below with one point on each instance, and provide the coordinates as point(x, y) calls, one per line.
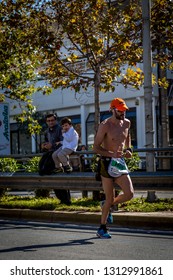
point(52, 141)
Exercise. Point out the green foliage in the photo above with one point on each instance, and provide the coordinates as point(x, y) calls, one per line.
point(96, 50)
point(133, 162)
point(83, 204)
point(162, 34)
point(102, 42)
point(20, 55)
point(102, 47)
point(11, 165)
point(12, 202)
point(8, 165)
point(95, 162)
point(32, 165)
point(141, 205)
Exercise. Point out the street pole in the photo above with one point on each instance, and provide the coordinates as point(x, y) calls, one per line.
point(148, 92)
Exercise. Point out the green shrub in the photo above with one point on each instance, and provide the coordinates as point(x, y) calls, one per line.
point(12, 202)
point(133, 162)
point(83, 204)
point(32, 165)
point(95, 162)
point(8, 165)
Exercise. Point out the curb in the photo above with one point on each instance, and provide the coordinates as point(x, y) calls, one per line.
point(154, 220)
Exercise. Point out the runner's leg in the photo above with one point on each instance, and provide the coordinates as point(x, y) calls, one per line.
point(108, 187)
point(126, 185)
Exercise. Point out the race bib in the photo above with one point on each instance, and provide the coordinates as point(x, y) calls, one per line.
point(117, 167)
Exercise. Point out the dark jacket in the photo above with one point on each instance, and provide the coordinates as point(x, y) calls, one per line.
point(53, 135)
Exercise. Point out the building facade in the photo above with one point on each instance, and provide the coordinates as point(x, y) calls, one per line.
point(80, 108)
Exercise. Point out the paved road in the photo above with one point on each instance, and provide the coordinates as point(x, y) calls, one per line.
point(60, 241)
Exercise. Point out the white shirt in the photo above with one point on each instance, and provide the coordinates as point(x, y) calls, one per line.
point(70, 139)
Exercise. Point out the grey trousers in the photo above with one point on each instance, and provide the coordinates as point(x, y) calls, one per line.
point(61, 157)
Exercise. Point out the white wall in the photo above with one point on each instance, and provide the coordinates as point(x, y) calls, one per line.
point(67, 103)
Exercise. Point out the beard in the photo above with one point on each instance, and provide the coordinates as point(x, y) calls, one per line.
point(120, 116)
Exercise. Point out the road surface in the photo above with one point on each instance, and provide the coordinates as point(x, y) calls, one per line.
point(61, 241)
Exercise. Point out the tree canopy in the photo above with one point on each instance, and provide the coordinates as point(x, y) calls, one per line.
point(20, 55)
point(162, 36)
point(93, 44)
point(77, 44)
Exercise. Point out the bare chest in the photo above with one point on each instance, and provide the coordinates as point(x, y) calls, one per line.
point(116, 135)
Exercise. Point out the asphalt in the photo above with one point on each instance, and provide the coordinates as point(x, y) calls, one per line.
point(150, 220)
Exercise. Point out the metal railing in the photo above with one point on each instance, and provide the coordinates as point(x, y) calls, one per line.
point(85, 181)
point(161, 156)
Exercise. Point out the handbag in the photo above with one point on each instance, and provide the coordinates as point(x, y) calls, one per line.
point(117, 167)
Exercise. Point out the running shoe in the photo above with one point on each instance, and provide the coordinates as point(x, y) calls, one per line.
point(101, 233)
point(110, 217)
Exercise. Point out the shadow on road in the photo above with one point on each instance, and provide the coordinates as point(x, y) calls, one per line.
point(35, 247)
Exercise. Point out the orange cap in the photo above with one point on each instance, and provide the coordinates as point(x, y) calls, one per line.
point(118, 104)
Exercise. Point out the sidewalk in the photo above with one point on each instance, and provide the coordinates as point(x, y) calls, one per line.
point(154, 220)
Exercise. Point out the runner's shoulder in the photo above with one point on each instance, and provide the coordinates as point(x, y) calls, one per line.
point(105, 122)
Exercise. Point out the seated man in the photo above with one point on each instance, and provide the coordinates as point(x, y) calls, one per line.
point(53, 138)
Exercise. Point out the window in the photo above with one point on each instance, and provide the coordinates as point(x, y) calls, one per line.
point(20, 140)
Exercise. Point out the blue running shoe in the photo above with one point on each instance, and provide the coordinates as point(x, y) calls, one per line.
point(101, 233)
point(110, 217)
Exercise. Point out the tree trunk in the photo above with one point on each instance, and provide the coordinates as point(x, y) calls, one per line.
point(96, 194)
point(97, 101)
point(163, 121)
point(148, 96)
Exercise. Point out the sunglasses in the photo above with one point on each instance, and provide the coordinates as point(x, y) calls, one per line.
point(119, 111)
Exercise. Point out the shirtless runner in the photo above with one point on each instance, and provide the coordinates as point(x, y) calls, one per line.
point(113, 141)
